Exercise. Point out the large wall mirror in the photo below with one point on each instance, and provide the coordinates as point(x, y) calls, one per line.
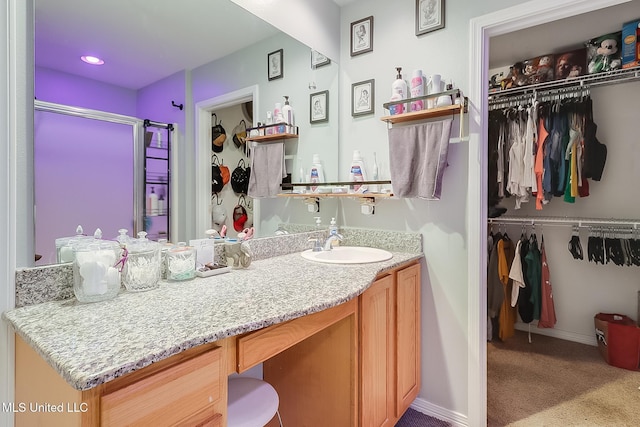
point(155, 52)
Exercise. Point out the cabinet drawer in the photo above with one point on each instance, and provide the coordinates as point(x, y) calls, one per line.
point(256, 347)
point(168, 396)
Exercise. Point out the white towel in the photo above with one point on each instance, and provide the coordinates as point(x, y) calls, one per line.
point(267, 169)
point(418, 157)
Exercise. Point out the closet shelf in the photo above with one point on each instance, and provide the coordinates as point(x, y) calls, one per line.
point(580, 222)
point(337, 184)
point(573, 83)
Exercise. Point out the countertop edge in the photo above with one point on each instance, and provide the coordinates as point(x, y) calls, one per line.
point(80, 381)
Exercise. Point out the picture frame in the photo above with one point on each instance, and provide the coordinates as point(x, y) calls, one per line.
point(362, 36)
point(275, 64)
point(318, 60)
point(319, 107)
point(363, 98)
point(429, 16)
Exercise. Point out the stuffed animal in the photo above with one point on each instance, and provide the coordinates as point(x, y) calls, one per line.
point(604, 58)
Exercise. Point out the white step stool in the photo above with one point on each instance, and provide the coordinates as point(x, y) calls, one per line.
point(251, 403)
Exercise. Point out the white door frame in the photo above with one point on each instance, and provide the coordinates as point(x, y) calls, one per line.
point(481, 29)
point(203, 111)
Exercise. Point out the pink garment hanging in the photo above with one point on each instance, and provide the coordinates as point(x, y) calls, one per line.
point(547, 311)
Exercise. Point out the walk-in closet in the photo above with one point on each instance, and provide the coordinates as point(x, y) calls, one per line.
point(584, 222)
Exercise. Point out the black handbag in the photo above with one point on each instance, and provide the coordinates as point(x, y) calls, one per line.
point(218, 135)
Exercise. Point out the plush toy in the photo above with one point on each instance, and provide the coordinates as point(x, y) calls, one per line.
point(515, 77)
point(545, 70)
point(604, 59)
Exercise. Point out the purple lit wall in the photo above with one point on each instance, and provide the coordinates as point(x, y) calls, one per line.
point(83, 167)
point(83, 176)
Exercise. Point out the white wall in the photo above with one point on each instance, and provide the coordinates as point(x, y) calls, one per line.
point(442, 223)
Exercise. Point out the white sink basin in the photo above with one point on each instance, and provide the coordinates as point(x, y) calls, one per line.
point(348, 255)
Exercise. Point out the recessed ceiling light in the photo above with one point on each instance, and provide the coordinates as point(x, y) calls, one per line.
point(93, 60)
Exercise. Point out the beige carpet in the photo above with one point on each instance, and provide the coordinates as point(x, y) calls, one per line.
point(553, 382)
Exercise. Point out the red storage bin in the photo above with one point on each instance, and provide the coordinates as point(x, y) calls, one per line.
point(618, 340)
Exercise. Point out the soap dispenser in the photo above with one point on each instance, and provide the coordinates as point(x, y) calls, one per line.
point(333, 228)
point(398, 92)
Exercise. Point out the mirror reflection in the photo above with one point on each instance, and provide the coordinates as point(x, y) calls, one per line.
point(146, 76)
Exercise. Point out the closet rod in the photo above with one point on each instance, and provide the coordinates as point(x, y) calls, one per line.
point(580, 222)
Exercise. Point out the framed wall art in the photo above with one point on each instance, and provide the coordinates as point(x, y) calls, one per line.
point(319, 107)
point(362, 36)
point(429, 16)
point(362, 98)
point(275, 64)
point(318, 60)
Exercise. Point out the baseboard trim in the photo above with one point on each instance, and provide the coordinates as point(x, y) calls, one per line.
point(456, 419)
point(556, 333)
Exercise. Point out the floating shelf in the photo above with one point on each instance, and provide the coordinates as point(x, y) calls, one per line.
point(430, 112)
point(273, 137)
point(337, 195)
point(425, 114)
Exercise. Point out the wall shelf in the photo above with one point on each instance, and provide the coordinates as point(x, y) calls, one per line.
point(291, 132)
point(430, 112)
point(273, 137)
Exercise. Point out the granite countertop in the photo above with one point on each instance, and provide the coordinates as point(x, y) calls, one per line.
point(90, 344)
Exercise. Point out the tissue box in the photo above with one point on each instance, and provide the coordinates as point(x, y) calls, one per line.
point(631, 44)
point(603, 53)
point(570, 64)
point(539, 69)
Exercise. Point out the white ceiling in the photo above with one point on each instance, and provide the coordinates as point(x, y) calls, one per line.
point(141, 41)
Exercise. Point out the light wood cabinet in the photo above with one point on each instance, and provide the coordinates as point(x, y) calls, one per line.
point(188, 389)
point(353, 364)
point(389, 346)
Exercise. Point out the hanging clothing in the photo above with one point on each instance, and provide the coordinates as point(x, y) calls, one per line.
point(539, 162)
point(534, 273)
point(507, 317)
point(548, 311)
point(516, 275)
point(495, 293)
point(525, 307)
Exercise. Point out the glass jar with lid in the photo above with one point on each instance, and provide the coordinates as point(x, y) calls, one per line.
point(142, 269)
point(64, 245)
point(96, 273)
point(181, 262)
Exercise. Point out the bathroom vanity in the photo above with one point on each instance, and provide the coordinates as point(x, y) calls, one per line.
point(340, 343)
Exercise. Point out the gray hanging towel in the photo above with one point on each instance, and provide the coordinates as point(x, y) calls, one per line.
point(417, 158)
point(267, 169)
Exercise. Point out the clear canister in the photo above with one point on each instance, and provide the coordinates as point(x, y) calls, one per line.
point(96, 276)
point(142, 267)
point(181, 262)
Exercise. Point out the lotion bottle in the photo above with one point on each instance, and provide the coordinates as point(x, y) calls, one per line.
point(357, 172)
point(152, 203)
point(398, 92)
point(417, 89)
point(287, 113)
point(316, 173)
point(278, 118)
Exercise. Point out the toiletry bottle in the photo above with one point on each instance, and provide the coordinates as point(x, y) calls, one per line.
point(417, 89)
point(316, 173)
point(357, 173)
point(398, 92)
point(374, 188)
point(333, 227)
point(152, 203)
point(269, 121)
point(161, 204)
point(287, 112)
point(278, 118)
point(159, 139)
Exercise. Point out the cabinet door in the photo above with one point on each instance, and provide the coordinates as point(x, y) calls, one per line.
point(407, 337)
point(377, 355)
point(168, 396)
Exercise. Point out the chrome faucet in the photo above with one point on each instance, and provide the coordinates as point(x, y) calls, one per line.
point(328, 244)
